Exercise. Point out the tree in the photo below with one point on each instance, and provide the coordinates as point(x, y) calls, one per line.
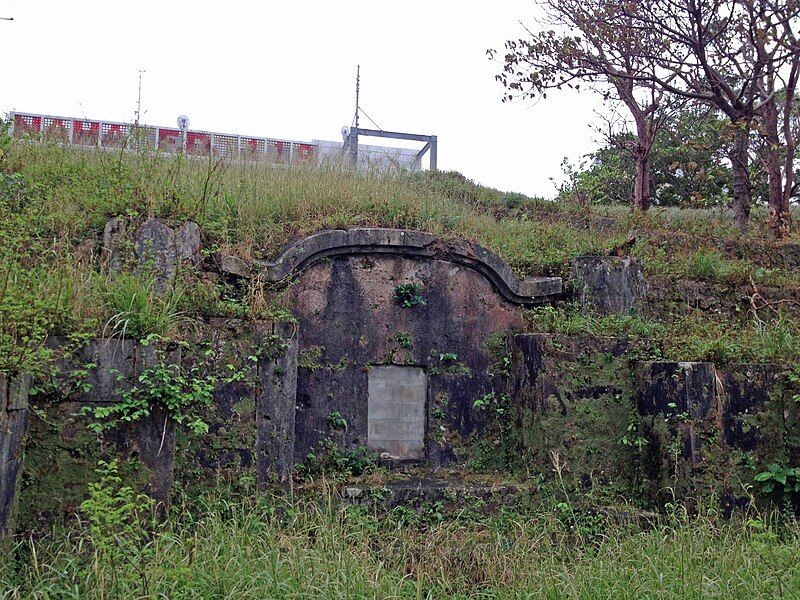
point(687, 159)
point(599, 47)
point(728, 54)
point(777, 91)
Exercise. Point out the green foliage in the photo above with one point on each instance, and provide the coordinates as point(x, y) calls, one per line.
point(408, 295)
point(284, 549)
point(309, 359)
point(779, 481)
point(404, 339)
point(793, 379)
point(707, 264)
point(687, 161)
point(139, 308)
point(115, 514)
point(333, 461)
point(693, 336)
point(495, 403)
point(567, 319)
point(182, 394)
point(336, 421)
point(634, 437)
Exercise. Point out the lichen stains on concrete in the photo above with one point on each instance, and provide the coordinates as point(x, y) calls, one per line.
point(346, 308)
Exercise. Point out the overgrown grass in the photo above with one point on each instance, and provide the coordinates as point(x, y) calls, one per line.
point(689, 336)
point(258, 549)
point(54, 202)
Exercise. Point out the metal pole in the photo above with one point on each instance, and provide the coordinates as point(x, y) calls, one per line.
point(139, 100)
point(434, 144)
point(354, 130)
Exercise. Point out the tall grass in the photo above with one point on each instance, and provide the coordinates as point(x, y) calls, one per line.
point(250, 549)
point(54, 199)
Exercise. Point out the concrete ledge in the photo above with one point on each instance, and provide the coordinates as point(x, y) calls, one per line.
point(416, 244)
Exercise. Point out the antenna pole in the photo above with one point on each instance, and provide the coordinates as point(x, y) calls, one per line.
point(353, 138)
point(358, 90)
point(139, 100)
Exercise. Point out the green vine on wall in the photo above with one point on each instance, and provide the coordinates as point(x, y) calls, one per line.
point(183, 394)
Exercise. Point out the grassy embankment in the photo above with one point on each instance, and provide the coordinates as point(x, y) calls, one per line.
point(52, 200)
point(55, 201)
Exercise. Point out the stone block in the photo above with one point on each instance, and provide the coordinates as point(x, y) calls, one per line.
point(607, 285)
point(13, 427)
point(396, 411)
point(276, 404)
point(677, 388)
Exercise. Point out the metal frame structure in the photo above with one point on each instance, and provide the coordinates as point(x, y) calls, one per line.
point(113, 134)
point(431, 142)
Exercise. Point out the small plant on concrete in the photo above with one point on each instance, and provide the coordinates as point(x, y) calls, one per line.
point(793, 378)
point(404, 339)
point(182, 394)
point(332, 460)
point(497, 403)
point(310, 359)
point(633, 436)
point(408, 295)
point(336, 421)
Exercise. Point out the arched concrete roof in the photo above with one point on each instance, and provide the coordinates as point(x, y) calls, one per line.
point(303, 253)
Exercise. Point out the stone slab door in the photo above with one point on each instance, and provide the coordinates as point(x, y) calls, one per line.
point(396, 411)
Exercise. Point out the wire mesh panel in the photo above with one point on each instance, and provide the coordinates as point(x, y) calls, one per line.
point(142, 138)
point(169, 140)
point(27, 124)
point(85, 133)
point(253, 148)
point(113, 135)
point(56, 129)
point(198, 143)
point(278, 151)
point(226, 145)
point(306, 153)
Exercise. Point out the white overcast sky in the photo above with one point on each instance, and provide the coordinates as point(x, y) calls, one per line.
point(287, 69)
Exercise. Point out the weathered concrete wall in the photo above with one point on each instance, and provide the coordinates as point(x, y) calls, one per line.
point(657, 428)
point(712, 429)
point(13, 426)
point(574, 402)
point(276, 404)
point(62, 452)
point(349, 322)
point(609, 285)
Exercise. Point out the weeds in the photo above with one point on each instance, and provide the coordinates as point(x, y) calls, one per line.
point(138, 308)
point(274, 549)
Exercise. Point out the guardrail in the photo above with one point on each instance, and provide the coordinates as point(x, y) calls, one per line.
point(109, 134)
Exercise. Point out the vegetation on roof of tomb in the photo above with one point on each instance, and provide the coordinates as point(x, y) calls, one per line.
point(55, 201)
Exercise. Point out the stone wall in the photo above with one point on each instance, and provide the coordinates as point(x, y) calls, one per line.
point(441, 376)
point(659, 429)
point(61, 452)
point(350, 322)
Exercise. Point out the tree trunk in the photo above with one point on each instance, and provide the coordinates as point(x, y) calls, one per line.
point(641, 192)
point(741, 178)
point(641, 156)
point(779, 220)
